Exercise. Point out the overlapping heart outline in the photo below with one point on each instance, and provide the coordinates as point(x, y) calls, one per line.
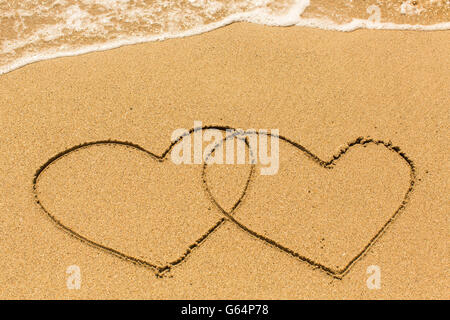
point(228, 216)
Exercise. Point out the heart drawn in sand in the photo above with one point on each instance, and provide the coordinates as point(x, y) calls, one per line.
point(325, 213)
point(139, 206)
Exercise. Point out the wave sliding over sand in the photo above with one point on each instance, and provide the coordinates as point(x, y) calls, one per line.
point(33, 30)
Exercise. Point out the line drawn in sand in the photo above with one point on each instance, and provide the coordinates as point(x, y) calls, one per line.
point(161, 270)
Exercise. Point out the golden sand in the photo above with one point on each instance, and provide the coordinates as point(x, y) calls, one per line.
point(321, 89)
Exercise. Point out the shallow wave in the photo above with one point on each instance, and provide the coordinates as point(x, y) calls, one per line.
point(34, 30)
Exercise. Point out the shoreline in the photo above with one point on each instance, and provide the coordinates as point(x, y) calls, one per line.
point(320, 88)
point(355, 25)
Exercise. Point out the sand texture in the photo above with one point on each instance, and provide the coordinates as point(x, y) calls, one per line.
point(363, 175)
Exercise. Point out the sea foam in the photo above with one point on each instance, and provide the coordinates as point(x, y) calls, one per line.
point(35, 30)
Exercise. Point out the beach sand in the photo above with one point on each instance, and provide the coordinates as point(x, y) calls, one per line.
point(321, 89)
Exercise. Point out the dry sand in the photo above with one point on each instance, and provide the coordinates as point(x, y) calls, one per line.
point(321, 89)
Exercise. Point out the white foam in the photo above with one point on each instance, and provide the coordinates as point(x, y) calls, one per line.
point(407, 7)
point(356, 24)
point(77, 19)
